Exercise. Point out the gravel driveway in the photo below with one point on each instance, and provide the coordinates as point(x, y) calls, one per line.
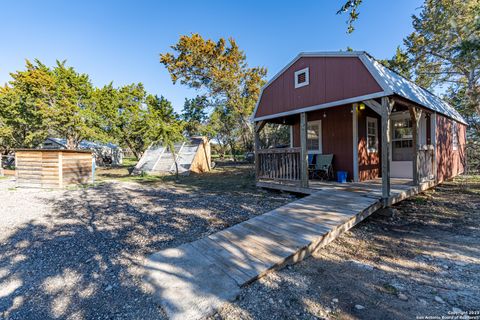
point(75, 254)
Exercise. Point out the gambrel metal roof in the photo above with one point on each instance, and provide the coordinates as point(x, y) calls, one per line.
point(390, 82)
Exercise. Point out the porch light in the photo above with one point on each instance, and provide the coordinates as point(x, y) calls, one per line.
point(361, 106)
point(324, 114)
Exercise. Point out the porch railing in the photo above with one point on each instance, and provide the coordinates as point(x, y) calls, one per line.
point(426, 165)
point(281, 164)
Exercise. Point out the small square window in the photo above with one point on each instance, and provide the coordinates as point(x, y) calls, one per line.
point(302, 78)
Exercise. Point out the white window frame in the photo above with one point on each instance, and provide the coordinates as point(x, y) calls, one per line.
point(307, 78)
point(375, 120)
point(320, 147)
point(454, 135)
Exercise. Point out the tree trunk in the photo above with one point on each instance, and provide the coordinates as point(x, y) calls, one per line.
point(70, 143)
point(172, 150)
point(135, 153)
point(232, 148)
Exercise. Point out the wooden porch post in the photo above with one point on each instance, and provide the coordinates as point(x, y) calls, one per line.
point(415, 115)
point(355, 141)
point(257, 128)
point(384, 110)
point(303, 151)
point(386, 144)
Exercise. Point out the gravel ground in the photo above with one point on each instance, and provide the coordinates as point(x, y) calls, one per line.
point(75, 254)
point(422, 258)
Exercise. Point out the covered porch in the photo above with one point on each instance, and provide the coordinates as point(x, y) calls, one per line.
point(385, 143)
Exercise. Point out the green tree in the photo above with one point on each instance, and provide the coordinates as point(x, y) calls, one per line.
point(6, 129)
point(68, 107)
point(195, 116)
point(225, 127)
point(164, 125)
point(350, 7)
point(220, 69)
point(160, 108)
point(42, 101)
point(122, 115)
point(400, 63)
point(23, 121)
point(444, 50)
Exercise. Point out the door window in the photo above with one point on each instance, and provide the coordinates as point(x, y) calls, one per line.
point(402, 140)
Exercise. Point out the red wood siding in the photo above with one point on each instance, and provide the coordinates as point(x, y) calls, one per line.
point(331, 79)
point(368, 163)
point(336, 136)
point(449, 162)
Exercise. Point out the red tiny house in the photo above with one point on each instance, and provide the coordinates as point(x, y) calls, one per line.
point(374, 122)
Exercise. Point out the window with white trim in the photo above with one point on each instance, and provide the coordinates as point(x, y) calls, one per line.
point(302, 78)
point(314, 136)
point(454, 135)
point(372, 134)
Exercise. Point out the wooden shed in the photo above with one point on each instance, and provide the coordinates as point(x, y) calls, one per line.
point(42, 168)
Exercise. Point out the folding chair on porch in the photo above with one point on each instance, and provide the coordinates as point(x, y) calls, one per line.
point(323, 167)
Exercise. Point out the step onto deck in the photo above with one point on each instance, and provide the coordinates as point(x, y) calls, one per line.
point(193, 280)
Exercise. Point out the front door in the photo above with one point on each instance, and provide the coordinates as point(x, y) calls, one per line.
point(401, 165)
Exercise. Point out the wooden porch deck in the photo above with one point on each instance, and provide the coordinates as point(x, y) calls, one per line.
point(400, 188)
point(194, 279)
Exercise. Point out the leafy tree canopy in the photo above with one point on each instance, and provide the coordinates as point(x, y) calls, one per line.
point(57, 101)
point(443, 52)
point(221, 71)
point(195, 115)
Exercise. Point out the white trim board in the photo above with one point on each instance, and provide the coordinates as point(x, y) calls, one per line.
point(322, 106)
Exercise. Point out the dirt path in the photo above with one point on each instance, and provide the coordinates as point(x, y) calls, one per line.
point(422, 261)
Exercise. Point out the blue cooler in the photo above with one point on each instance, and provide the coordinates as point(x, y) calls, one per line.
point(342, 176)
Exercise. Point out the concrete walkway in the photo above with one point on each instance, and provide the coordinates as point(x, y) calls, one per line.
point(194, 279)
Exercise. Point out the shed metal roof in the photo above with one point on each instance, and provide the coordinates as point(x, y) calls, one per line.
point(84, 144)
point(390, 81)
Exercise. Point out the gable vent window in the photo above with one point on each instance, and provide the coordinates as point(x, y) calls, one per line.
point(302, 78)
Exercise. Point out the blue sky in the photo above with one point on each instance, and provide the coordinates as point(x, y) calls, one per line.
point(120, 41)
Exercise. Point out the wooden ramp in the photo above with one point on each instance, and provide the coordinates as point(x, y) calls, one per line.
point(194, 279)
